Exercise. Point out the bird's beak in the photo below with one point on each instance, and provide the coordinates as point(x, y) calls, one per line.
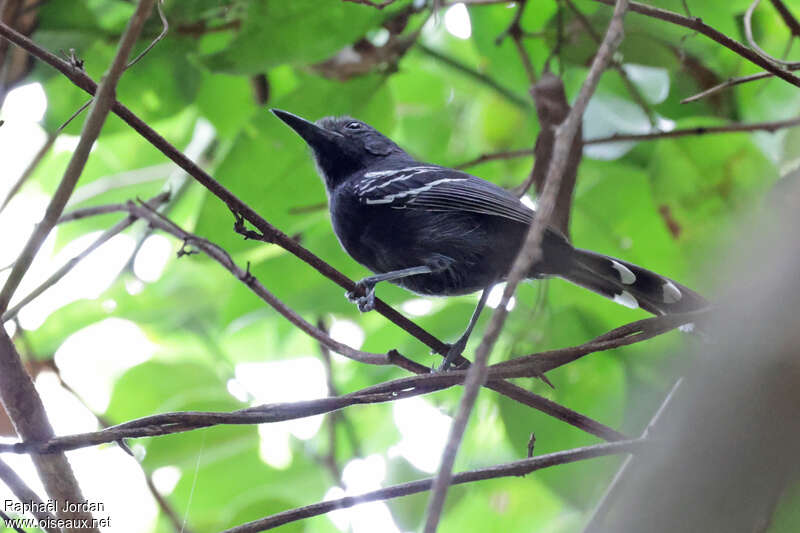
point(317, 138)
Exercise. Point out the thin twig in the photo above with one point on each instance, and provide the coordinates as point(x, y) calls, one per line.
point(6, 518)
point(529, 253)
point(633, 90)
point(59, 274)
point(164, 30)
point(603, 505)
point(28, 172)
point(770, 126)
point(697, 24)
point(25, 495)
point(516, 33)
point(519, 468)
point(216, 253)
point(732, 82)
point(329, 459)
point(748, 32)
point(494, 156)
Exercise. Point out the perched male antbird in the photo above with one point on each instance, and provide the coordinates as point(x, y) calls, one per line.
point(438, 231)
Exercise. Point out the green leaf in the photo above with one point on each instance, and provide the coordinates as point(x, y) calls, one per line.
point(292, 32)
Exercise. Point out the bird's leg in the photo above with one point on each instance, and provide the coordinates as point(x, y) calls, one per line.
point(457, 347)
point(367, 302)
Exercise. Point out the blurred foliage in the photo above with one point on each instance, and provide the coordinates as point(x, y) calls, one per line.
point(667, 204)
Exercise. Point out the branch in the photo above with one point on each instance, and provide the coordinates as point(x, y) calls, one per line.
point(28, 172)
point(770, 126)
point(641, 330)
point(519, 468)
point(697, 24)
point(274, 235)
point(19, 397)
point(516, 33)
point(424, 383)
point(732, 82)
point(528, 255)
point(602, 507)
point(633, 90)
point(377, 5)
point(790, 20)
point(748, 32)
point(218, 254)
point(59, 274)
point(494, 156)
point(25, 495)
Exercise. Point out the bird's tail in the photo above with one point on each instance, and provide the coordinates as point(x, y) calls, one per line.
point(631, 285)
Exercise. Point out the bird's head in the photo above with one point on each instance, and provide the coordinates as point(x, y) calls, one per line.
point(342, 145)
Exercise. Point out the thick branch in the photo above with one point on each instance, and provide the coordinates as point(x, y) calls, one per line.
point(530, 253)
point(790, 20)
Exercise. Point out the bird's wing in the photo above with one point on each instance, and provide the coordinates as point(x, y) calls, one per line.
point(439, 189)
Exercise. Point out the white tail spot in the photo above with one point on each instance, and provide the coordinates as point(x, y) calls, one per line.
point(625, 298)
point(671, 293)
point(625, 275)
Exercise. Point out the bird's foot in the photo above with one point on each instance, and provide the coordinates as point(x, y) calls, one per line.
point(453, 353)
point(367, 302)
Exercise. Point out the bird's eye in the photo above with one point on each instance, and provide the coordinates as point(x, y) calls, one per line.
point(353, 125)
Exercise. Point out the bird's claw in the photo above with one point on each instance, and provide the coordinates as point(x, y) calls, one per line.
point(453, 353)
point(365, 303)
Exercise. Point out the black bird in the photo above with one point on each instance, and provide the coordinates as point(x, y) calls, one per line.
point(438, 231)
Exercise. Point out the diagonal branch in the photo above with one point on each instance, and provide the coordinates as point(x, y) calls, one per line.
point(603, 506)
point(519, 468)
point(25, 495)
point(529, 254)
point(790, 20)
